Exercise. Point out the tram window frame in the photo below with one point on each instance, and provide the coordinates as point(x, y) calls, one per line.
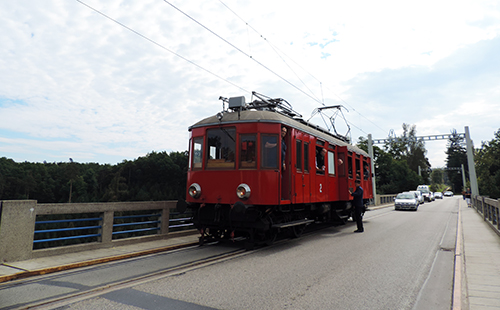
point(298, 153)
point(319, 147)
point(358, 168)
point(331, 163)
point(197, 161)
point(268, 160)
point(248, 154)
point(349, 166)
point(341, 167)
point(306, 157)
point(223, 150)
point(366, 170)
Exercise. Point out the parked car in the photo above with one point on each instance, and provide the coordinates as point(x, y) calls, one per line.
point(419, 196)
point(438, 195)
point(448, 194)
point(406, 201)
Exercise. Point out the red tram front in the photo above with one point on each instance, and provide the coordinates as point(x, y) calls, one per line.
point(248, 178)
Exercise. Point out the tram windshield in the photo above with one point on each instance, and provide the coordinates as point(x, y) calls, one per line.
point(221, 145)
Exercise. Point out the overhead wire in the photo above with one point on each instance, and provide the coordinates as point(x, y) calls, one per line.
point(162, 46)
point(275, 50)
point(240, 50)
point(279, 52)
point(235, 47)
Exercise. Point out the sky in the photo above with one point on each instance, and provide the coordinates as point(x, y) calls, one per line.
point(107, 81)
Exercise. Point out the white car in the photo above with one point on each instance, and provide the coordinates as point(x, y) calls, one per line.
point(438, 195)
point(419, 196)
point(406, 201)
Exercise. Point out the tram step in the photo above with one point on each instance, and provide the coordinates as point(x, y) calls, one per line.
point(294, 223)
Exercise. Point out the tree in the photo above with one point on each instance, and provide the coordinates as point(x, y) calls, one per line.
point(410, 149)
point(488, 167)
point(392, 173)
point(456, 157)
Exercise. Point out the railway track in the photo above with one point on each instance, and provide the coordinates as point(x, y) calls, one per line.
point(78, 278)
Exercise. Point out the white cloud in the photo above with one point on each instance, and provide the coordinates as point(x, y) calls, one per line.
point(75, 82)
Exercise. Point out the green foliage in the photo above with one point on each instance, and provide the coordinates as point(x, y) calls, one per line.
point(396, 166)
point(157, 176)
point(487, 161)
point(456, 157)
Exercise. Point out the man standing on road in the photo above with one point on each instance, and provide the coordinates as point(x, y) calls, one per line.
point(358, 205)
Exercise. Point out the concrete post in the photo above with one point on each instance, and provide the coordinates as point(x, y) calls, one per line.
point(107, 227)
point(165, 220)
point(17, 229)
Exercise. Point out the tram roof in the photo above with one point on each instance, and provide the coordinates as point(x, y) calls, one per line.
point(250, 116)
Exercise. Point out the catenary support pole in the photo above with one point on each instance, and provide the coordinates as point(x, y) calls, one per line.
point(470, 162)
point(370, 152)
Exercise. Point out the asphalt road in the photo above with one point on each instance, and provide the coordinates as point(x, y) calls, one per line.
point(403, 260)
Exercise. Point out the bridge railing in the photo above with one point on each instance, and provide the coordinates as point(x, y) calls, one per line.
point(489, 208)
point(32, 230)
point(385, 199)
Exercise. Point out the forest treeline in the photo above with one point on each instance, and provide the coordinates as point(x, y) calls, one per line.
point(162, 176)
point(157, 176)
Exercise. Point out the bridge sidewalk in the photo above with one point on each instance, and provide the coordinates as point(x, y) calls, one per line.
point(481, 258)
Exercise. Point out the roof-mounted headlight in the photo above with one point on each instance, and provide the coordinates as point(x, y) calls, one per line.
point(243, 191)
point(194, 190)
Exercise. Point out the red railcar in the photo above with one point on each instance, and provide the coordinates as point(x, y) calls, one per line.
point(245, 179)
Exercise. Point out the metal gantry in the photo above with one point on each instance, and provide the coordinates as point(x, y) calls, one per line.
point(470, 154)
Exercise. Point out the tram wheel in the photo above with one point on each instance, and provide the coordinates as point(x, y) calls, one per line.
point(298, 230)
point(271, 235)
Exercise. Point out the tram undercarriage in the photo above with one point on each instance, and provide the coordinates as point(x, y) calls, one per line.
point(262, 224)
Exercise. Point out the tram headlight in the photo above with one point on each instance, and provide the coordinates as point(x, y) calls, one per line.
point(243, 191)
point(194, 190)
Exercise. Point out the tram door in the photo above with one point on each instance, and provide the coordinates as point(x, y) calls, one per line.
point(343, 174)
point(286, 173)
point(320, 192)
point(301, 186)
point(298, 192)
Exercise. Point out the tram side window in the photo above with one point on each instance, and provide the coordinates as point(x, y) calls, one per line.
point(331, 162)
point(349, 166)
point(197, 152)
point(247, 151)
point(366, 170)
point(341, 164)
point(320, 159)
point(299, 155)
point(358, 169)
point(306, 157)
point(269, 151)
point(221, 145)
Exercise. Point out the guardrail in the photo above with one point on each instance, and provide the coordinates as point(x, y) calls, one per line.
point(489, 208)
point(385, 199)
point(32, 230)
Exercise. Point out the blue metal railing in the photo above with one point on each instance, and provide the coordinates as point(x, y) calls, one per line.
point(60, 232)
point(64, 233)
point(138, 226)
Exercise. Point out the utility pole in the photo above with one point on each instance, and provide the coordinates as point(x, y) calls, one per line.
point(470, 162)
point(370, 152)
